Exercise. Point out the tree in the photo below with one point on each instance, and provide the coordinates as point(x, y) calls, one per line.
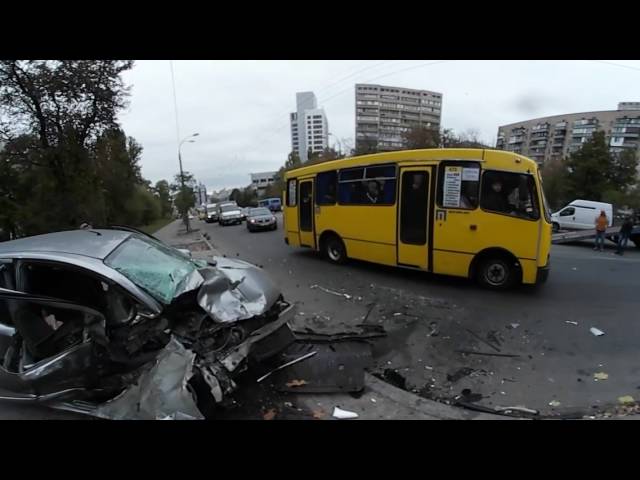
point(366, 146)
point(554, 177)
point(185, 198)
point(164, 196)
point(64, 151)
point(421, 137)
point(590, 169)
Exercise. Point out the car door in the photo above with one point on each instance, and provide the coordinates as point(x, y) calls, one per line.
point(567, 217)
point(33, 372)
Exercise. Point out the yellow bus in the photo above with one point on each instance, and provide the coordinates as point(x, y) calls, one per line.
point(472, 213)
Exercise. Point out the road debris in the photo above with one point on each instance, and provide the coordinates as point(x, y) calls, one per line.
point(626, 399)
point(296, 383)
point(269, 414)
point(600, 376)
point(572, 323)
point(554, 403)
point(332, 292)
point(397, 314)
point(482, 339)
point(373, 400)
point(319, 413)
point(471, 352)
point(459, 374)
point(596, 331)
point(341, 414)
point(292, 362)
point(517, 408)
point(434, 330)
point(468, 396)
point(513, 326)
point(288, 404)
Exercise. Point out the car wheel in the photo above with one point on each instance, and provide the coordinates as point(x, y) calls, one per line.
point(334, 250)
point(555, 226)
point(498, 273)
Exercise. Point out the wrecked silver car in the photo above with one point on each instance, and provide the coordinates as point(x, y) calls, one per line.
point(118, 325)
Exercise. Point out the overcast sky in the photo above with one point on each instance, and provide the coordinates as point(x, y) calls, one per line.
point(241, 108)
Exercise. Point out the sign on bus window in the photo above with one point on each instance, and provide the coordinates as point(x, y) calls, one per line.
point(458, 184)
point(292, 192)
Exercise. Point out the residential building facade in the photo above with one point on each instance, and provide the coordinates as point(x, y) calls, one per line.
point(384, 114)
point(260, 181)
point(309, 126)
point(201, 194)
point(548, 138)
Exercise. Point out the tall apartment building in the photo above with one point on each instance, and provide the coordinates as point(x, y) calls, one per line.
point(383, 114)
point(309, 126)
point(201, 194)
point(547, 138)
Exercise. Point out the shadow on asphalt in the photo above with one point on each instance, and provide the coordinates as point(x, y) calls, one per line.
point(419, 277)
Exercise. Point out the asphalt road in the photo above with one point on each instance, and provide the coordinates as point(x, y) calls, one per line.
point(429, 317)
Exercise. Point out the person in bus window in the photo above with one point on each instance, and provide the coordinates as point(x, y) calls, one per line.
point(373, 192)
point(495, 199)
point(413, 210)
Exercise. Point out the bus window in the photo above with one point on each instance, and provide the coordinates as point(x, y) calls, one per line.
point(510, 194)
point(461, 180)
point(291, 192)
point(326, 183)
point(413, 208)
point(367, 186)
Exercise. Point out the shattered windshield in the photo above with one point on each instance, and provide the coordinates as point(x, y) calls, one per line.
point(160, 270)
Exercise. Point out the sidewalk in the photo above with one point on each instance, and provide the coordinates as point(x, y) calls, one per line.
point(174, 234)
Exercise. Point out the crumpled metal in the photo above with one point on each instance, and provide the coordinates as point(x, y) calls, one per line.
point(235, 290)
point(161, 393)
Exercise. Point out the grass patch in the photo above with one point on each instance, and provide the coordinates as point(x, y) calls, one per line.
point(153, 227)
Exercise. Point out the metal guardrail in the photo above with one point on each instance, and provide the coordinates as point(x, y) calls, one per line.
point(575, 236)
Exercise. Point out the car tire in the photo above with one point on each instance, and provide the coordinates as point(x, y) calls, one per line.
point(555, 227)
point(496, 272)
point(335, 250)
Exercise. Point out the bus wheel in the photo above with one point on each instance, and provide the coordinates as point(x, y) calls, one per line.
point(496, 273)
point(334, 249)
point(555, 227)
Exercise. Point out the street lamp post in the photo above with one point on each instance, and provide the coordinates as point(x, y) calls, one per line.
point(186, 139)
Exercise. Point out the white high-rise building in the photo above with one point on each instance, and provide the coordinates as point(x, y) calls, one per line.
point(309, 126)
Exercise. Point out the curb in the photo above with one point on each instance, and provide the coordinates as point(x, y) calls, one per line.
point(215, 251)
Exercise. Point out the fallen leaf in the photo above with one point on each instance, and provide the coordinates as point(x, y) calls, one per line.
point(554, 403)
point(319, 414)
point(269, 414)
point(626, 399)
point(296, 383)
point(600, 376)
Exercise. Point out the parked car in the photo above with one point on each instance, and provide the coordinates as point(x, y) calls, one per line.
point(580, 215)
point(261, 219)
point(229, 215)
point(116, 324)
point(212, 213)
point(273, 204)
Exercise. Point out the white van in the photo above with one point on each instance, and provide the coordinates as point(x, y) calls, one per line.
point(580, 215)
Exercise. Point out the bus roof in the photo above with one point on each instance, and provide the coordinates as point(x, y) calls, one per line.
point(501, 159)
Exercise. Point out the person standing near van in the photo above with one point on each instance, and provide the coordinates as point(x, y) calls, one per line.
point(623, 237)
point(602, 222)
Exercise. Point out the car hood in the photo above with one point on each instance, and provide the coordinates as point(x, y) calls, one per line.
point(235, 290)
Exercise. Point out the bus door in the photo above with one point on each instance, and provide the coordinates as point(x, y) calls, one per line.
point(306, 214)
point(413, 217)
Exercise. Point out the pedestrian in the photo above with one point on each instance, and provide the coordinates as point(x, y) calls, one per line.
point(623, 236)
point(602, 222)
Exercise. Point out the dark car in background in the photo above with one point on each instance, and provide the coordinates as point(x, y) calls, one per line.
point(118, 325)
point(261, 218)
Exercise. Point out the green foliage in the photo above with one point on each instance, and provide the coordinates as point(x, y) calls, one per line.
point(163, 191)
point(65, 159)
point(185, 193)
